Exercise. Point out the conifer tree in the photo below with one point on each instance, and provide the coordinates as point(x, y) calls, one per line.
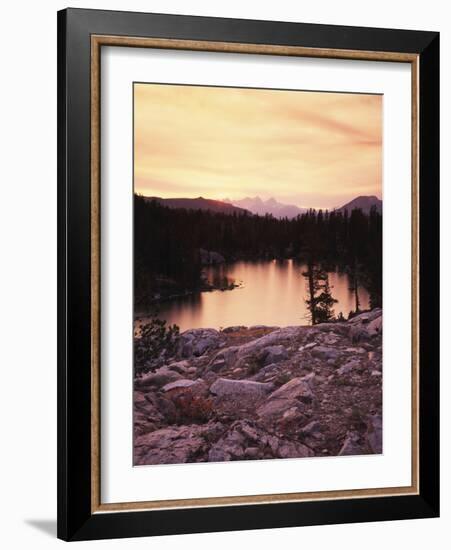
point(320, 300)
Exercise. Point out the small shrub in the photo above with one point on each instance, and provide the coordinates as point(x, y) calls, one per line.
point(254, 365)
point(151, 340)
point(256, 362)
point(193, 408)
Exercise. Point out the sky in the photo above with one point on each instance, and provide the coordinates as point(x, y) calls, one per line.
point(311, 149)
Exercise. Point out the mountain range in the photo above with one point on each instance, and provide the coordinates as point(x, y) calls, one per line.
point(200, 204)
point(256, 205)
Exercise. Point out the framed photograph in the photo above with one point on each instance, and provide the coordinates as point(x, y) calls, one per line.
point(248, 274)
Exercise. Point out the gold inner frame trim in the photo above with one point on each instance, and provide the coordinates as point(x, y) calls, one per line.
point(97, 41)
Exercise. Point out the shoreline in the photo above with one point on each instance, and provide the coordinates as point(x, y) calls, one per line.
point(186, 293)
point(168, 289)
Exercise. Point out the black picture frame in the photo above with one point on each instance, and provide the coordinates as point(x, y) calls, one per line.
point(76, 521)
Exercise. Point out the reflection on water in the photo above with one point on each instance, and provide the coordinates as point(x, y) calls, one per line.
point(269, 293)
point(221, 277)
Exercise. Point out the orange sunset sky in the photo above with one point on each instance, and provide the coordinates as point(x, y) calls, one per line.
point(312, 149)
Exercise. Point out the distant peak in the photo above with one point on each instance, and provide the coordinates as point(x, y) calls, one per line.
point(269, 206)
point(364, 203)
point(366, 197)
point(199, 203)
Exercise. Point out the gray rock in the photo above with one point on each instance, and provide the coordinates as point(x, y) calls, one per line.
point(139, 398)
point(355, 350)
point(374, 433)
point(217, 364)
point(174, 445)
point(352, 445)
point(204, 345)
point(310, 346)
point(235, 328)
point(227, 354)
point(366, 325)
point(159, 378)
point(251, 452)
point(293, 414)
point(232, 446)
point(187, 349)
point(165, 407)
point(365, 317)
point(310, 379)
point(178, 384)
point(180, 366)
point(294, 389)
point(274, 410)
point(279, 336)
point(293, 449)
point(325, 352)
point(358, 333)
point(249, 430)
point(289, 399)
point(182, 387)
point(246, 440)
point(347, 367)
point(331, 339)
point(240, 388)
point(274, 354)
point(151, 412)
point(354, 362)
point(265, 372)
point(312, 427)
point(375, 327)
point(198, 341)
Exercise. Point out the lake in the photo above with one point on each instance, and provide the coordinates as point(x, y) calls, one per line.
point(270, 293)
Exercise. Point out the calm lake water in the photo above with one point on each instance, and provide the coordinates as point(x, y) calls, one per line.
point(270, 293)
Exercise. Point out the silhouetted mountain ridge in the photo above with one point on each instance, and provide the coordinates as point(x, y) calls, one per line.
point(260, 207)
point(199, 203)
point(271, 206)
point(364, 203)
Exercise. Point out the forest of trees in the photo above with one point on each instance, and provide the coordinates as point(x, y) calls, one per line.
point(167, 243)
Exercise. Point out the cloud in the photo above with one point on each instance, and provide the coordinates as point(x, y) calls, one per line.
point(218, 142)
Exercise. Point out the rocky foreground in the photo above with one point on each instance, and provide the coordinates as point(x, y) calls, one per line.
point(263, 393)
